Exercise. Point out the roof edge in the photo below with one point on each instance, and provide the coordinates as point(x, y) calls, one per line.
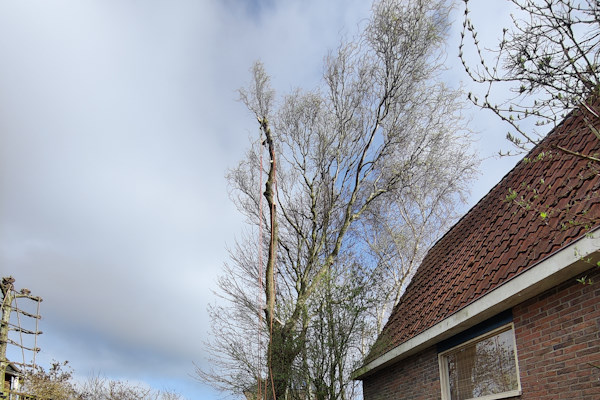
point(554, 269)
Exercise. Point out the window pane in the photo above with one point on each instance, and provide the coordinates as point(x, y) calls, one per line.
point(483, 368)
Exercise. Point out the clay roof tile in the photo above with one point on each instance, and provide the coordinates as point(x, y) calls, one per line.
point(498, 239)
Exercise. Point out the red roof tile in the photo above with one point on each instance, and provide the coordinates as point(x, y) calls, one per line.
point(497, 239)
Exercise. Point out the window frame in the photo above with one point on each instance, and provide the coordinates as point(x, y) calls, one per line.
point(445, 375)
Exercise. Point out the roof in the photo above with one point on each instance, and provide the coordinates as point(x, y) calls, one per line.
point(499, 239)
point(12, 369)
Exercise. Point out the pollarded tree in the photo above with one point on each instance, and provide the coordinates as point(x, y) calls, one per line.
point(379, 123)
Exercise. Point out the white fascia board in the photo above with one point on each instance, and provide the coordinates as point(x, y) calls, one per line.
point(564, 264)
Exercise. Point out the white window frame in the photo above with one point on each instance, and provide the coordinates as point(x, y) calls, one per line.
point(445, 376)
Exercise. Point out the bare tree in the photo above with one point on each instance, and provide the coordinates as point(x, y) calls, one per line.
point(400, 231)
point(379, 124)
point(56, 383)
point(548, 60)
point(337, 329)
point(101, 388)
point(239, 334)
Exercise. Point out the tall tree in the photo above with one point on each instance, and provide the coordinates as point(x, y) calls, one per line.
point(380, 127)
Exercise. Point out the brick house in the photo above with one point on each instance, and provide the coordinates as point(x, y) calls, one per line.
point(495, 310)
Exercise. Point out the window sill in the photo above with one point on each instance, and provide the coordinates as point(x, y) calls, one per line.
point(496, 396)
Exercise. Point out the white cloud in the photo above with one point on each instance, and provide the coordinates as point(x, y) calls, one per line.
point(118, 121)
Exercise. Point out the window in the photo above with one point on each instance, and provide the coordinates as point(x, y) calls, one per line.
point(482, 368)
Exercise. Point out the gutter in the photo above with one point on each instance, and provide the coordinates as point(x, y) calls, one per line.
point(564, 264)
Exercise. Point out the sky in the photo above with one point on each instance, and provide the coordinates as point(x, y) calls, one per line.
point(118, 122)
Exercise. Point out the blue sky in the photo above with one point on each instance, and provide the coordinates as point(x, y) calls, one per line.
point(118, 121)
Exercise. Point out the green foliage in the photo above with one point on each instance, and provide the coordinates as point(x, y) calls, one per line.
point(584, 280)
point(511, 196)
point(543, 155)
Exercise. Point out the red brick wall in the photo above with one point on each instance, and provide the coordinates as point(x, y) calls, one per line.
point(416, 378)
point(558, 335)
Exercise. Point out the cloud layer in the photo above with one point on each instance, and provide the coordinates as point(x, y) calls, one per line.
point(118, 121)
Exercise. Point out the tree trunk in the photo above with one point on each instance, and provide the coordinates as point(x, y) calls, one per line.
point(283, 350)
point(280, 356)
point(7, 299)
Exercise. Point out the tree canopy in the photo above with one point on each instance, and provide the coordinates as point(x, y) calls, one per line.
point(381, 139)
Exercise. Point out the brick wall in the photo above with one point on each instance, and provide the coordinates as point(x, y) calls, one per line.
point(416, 378)
point(558, 335)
